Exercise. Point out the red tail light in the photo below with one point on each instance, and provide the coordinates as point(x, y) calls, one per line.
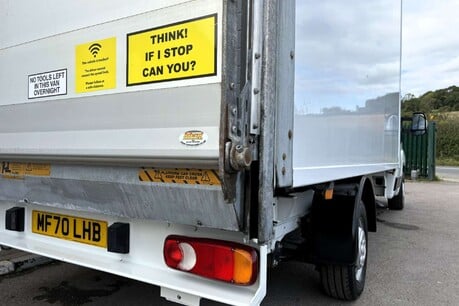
point(221, 260)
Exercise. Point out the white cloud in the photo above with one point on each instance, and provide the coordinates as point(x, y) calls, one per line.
point(349, 51)
point(430, 45)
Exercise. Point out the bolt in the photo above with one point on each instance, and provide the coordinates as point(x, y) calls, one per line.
point(283, 171)
point(290, 134)
point(179, 297)
point(255, 126)
point(257, 55)
point(232, 85)
point(234, 129)
point(199, 223)
point(234, 111)
point(239, 148)
point(292, 54)
point(26, 200)
point(256, 91)
point(284, 156)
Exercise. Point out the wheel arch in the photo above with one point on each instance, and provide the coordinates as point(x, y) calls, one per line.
point(334, 226)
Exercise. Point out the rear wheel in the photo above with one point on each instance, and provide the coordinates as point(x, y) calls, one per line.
point(397, 202)
point(346, 282)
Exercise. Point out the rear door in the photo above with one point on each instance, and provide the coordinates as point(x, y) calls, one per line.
point(131, 100)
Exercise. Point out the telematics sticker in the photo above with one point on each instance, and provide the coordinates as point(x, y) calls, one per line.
point(193, 138)
point(179, 176)
point(47, 84)
point(178, 51)
point(95, 64)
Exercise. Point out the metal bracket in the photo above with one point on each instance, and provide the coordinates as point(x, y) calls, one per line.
point(242, 149)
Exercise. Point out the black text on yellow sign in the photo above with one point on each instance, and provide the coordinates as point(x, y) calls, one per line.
point(180, 176)
point(173, 52)
point(95, 65)
point(88, 231)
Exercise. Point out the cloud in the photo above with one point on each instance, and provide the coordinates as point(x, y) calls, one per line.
point(430, 45)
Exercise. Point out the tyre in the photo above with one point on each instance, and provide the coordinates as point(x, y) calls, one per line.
point(346, 282)
point(397, 202)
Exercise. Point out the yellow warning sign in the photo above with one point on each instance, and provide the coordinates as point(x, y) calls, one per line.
point(95, 65)
point(19, 170)
point(179, 51)
point(179, 176)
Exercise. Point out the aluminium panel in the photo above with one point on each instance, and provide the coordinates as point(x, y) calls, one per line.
point(24, 21)
point(347, 84)
point(122, 192)
point(101, 114)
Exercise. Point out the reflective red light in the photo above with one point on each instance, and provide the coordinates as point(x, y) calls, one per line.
point(221, 260)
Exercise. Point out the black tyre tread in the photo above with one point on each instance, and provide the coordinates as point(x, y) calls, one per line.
point(331, 281)
point(397, 202)
point(336, 282)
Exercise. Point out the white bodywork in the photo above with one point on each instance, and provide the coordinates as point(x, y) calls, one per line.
point(145, 259)
point(347, 83)
point(98, 144)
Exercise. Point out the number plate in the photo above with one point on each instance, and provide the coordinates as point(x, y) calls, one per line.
point(88, 231)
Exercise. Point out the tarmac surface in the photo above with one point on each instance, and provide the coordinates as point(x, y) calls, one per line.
point(413, 260)
point(448, 173)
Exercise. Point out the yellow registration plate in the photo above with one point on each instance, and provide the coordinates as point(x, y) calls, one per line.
point(88, 231)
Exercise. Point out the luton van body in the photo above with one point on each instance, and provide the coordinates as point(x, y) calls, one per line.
point(192, 144)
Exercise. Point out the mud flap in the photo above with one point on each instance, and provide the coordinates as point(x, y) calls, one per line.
point(333, 237)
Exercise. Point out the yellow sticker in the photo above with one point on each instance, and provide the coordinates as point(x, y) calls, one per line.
point(19, 170)
point(95, 64)
point(89, 231)
point(179, 176)
point(179, 51)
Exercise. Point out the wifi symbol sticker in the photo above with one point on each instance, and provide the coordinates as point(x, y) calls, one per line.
point(94, 49)
point(95, 65)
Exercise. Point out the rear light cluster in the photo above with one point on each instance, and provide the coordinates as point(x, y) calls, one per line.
point(215, 259)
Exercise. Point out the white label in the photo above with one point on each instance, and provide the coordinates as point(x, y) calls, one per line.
point(193, 138)
point(47, 84)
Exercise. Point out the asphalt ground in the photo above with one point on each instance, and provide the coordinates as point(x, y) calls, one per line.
point(413, 260)
point(448, 173)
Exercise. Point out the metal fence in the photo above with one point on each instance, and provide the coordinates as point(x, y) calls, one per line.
point(419, 151)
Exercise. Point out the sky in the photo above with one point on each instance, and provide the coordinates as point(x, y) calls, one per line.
point(348, 52)
point(430, 45)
